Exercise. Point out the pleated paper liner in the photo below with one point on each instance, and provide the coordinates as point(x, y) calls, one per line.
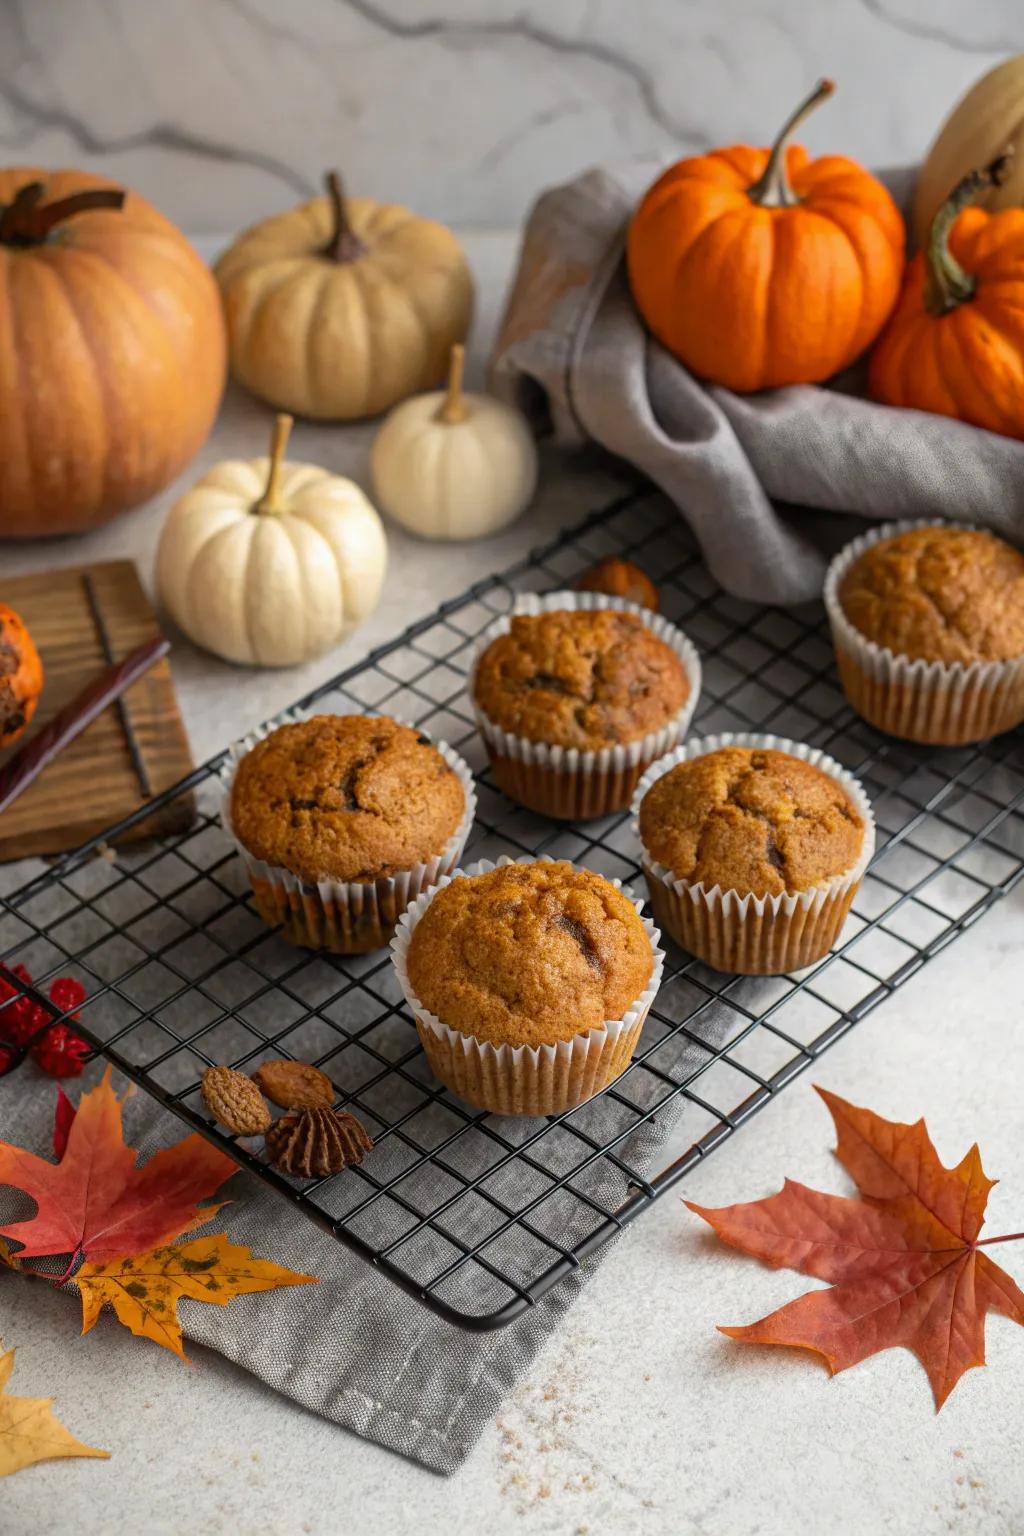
point(564, 782)
point(933, 702)
point(346, 917)
point(754, 935)
point(523, 1080)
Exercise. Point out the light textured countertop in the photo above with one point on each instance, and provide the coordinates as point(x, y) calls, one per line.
point(638, 1416)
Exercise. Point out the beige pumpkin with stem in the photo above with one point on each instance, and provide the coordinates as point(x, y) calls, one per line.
point(341, 307)
point(451, 465)
point(985, 123)
point(271, 563)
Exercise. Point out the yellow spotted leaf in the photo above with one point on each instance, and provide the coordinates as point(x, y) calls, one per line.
point(144, 1291)
point(28, 1430)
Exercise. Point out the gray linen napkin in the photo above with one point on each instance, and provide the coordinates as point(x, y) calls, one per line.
point(355, 1348)
point(572, 339)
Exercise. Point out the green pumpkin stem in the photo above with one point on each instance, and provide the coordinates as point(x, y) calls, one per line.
point(946, 283)
point(344, 244)
point(772, 188)
point(29, 221)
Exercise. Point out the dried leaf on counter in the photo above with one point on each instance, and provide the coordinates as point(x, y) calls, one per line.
point(144, 1291)
point(28, 1430)
point(904, 1260)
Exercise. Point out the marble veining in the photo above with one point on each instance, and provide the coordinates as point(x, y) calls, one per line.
point(225, 110)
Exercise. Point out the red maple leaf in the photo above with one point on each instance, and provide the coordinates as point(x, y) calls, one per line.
point(95, 1203)
point(904, 1261)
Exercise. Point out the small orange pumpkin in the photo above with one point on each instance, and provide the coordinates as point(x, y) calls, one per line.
point(21, 676)
point(759, 268)
point(955, 343)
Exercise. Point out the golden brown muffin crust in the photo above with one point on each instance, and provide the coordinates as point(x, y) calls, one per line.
point(751, 821)
point(529, 954)
point(345, 797)
point(580, 679)
point(939, 594)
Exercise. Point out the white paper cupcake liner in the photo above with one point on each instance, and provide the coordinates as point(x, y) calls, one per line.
point(524, 1080)
point(748, 934)
point(565, 782)
point(935, 702)
point(347, 917)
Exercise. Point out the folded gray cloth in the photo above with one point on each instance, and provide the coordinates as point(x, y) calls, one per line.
point(355, 1348)
point(572, 334)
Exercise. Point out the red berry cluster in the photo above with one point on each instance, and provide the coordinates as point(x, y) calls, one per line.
point(60, 1051)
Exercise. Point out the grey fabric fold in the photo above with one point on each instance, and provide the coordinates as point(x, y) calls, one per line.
point(572, 341)
point(355, 1348)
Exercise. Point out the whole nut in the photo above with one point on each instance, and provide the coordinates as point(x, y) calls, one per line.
point(234, 1100)
point(620, 578)
point(294, 1084)
point(313, 1143)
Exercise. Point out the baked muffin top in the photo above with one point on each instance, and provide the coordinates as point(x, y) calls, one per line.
point(529, 954)
point(752, 821)
point(345, 797)
point(586, 679)
point(939, 594)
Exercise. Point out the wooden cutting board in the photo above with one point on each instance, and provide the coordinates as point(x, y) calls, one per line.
point(96, 780)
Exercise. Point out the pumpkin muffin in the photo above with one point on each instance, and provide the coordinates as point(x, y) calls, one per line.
point(530, 983)
point(928, 623)
point(752, 852)
point(574, 701)
point(342, 819)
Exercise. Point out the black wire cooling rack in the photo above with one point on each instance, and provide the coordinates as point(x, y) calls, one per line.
point(478, 1216)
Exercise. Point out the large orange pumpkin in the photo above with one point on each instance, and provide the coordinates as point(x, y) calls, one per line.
point(112, 351)
point(955, 343)
point(21, 676)
point(759, 268)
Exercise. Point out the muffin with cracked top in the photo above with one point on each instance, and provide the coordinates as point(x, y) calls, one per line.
point(753, 850)
point(342, 820)
point(574, 702)
point(928, 624)
point(529, 981)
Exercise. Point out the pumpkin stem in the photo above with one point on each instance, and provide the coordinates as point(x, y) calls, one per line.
point(270, 501)
point(772, 188)
point(946, 283)
point(453, 408)
point(344, 244)
point(29, 221)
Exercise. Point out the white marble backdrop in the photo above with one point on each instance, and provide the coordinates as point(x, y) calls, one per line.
point(224, 110)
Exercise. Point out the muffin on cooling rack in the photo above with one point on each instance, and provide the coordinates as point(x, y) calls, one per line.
point(753, 849)
point(343, 820)
point(529, 982)
point(928, 626)
point(575, 693)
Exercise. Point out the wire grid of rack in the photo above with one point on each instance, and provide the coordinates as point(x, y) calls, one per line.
point(478, 1216)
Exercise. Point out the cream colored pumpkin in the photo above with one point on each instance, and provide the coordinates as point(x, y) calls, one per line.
point(271, 563)
point(982, 125)
point(341, 307)
point(449, 465)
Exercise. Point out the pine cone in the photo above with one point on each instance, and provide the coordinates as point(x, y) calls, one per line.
point(234, 1100)
point(312, 1143)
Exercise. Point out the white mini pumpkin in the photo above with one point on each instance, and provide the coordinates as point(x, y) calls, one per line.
point(271, 563)
point(449, 465)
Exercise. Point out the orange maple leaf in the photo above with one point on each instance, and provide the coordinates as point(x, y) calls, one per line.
point(95, 1203)
point(144, 1291)
point(905, 1260)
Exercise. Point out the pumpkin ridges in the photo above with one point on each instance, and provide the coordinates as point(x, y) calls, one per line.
point(828, 328)
point(991, 370)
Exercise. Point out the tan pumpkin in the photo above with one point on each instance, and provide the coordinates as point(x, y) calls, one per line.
point(342, 307)
point(112, 351)
point(983, 124)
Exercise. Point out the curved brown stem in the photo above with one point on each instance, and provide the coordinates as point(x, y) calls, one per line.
point(344, 244)
point(270, 501)
point(946, 283)
point(453, 407)
point(772, 188)
point(29, 221)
